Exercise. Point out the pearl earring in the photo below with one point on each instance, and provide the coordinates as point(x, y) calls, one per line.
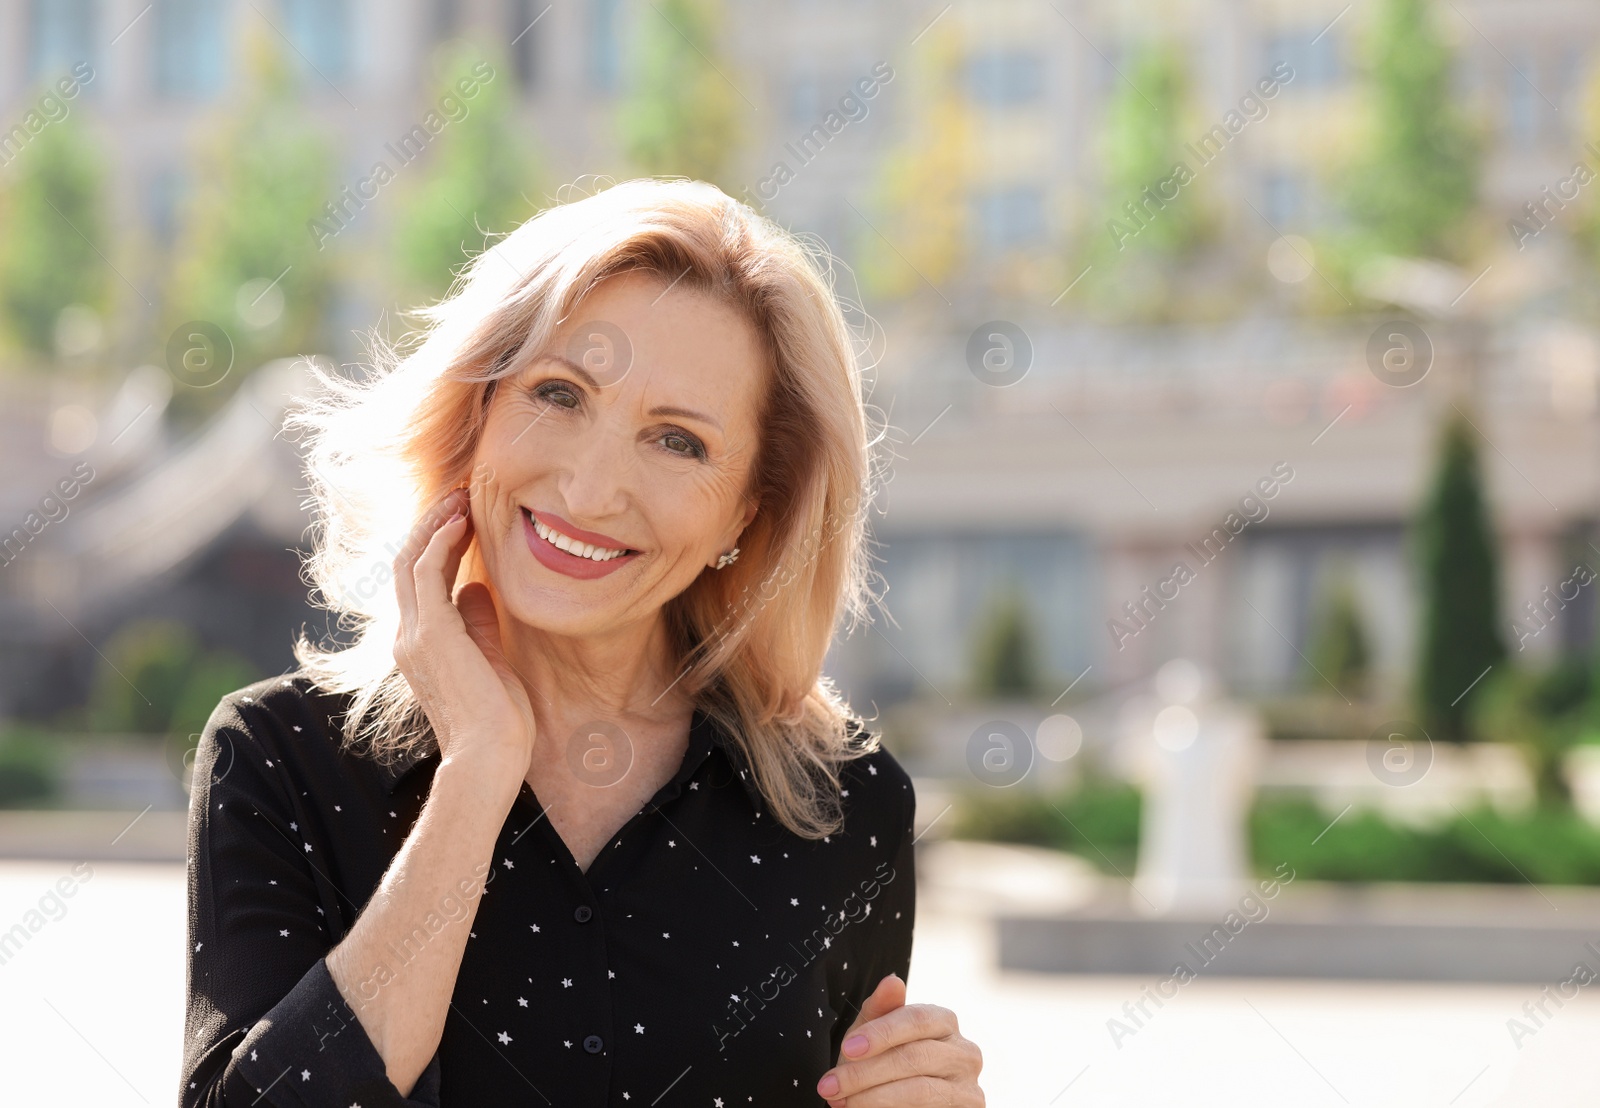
point(729, 558)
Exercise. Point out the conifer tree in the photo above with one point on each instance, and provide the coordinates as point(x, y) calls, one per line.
point(1007, 662)
point(1460, 630)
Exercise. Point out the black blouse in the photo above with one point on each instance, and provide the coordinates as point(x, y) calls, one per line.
point(708, 957)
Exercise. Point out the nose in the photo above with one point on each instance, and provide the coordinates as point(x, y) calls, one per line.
point(596, 474)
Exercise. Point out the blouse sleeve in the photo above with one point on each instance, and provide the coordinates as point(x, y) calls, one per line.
point(883, 932)
point(264, 1022)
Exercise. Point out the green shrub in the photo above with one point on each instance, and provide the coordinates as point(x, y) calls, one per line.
point(29, 771)
point(1098, 820)
point(1547, 845)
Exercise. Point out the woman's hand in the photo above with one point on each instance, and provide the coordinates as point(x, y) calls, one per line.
point(903, 1056)
point(449, 650)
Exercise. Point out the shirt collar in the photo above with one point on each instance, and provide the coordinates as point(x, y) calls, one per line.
point(705, 737)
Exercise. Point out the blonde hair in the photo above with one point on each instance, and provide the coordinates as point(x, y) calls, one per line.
point(751, 638)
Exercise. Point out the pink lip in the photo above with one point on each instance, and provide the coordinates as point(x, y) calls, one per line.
point(553, 557)
point(593, 538)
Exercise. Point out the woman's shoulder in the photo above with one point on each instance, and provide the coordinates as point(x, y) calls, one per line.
point(284, 716)
point(874, 779)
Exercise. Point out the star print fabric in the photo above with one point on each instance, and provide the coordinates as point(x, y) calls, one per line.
point(707, 956)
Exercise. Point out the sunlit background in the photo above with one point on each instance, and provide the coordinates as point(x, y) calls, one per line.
point(1238, 541)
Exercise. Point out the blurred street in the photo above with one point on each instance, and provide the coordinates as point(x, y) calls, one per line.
point(94, 1009)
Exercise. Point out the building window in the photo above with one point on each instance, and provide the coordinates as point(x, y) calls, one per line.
point(320, 31)
point(446, 17)
point(1002, 78)
point(604, 61)
point(1283, 198)
point(191, 48)
point(1522, 101)
point(1009, 217)
point(805, 97)
point(162, 203)
point(61, 33)
point(1315, 64)
point(943, 591)
point(527, 37)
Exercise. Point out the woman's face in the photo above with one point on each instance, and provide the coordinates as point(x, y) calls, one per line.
point(634, 430)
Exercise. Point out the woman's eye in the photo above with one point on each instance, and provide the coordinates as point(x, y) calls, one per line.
point(558, 392)
point(682, 444)
point(562, 394)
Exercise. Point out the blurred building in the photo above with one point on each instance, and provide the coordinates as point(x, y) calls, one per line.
point(1086, 481)
point(1031, 77)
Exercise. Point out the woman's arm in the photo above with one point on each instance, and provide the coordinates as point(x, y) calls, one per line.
point(445, 860)
point(273, 1017)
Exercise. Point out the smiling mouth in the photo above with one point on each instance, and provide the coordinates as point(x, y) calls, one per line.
point(572, 546)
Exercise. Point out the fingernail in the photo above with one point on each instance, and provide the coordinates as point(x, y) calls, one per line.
point(829, 1085)
point(452, 519)
point(855, 1044)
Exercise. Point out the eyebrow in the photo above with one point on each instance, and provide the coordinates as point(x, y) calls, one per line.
point(588, 378)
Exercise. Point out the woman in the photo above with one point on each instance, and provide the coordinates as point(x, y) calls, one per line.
point(629, 461)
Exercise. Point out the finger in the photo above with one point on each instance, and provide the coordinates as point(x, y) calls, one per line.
point(888, 996)
point(942, 1058)
point(456, 551)
point(910, 1092)
point(476, 605)
point(954, 1062)
point(404, 565)
point(429, 573)
point(903, 1025)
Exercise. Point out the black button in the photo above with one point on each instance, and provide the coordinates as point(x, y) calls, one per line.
point(583, 913)
point(593, 1044)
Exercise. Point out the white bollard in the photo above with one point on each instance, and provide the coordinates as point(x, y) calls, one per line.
point(1198, 770)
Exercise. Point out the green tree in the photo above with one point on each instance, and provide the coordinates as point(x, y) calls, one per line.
point(1416, 182)
point(1007, 659)
point(1155, 222)
point(1340, 649)
point(479, 175)
point(1460, 631)
point(1147, 124)
point(247, 262)
point(681, 114)
point(159, 678)
point(55, 240)
point(1542, 712)
point(921, 191)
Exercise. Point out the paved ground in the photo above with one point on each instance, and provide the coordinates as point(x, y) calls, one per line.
point(91, 1014)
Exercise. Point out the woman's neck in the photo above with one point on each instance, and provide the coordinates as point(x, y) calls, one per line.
point(626, 675)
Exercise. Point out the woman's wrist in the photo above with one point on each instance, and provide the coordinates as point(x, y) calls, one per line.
point(481, 777)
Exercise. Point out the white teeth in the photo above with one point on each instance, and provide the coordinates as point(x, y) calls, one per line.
point(573, 546)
